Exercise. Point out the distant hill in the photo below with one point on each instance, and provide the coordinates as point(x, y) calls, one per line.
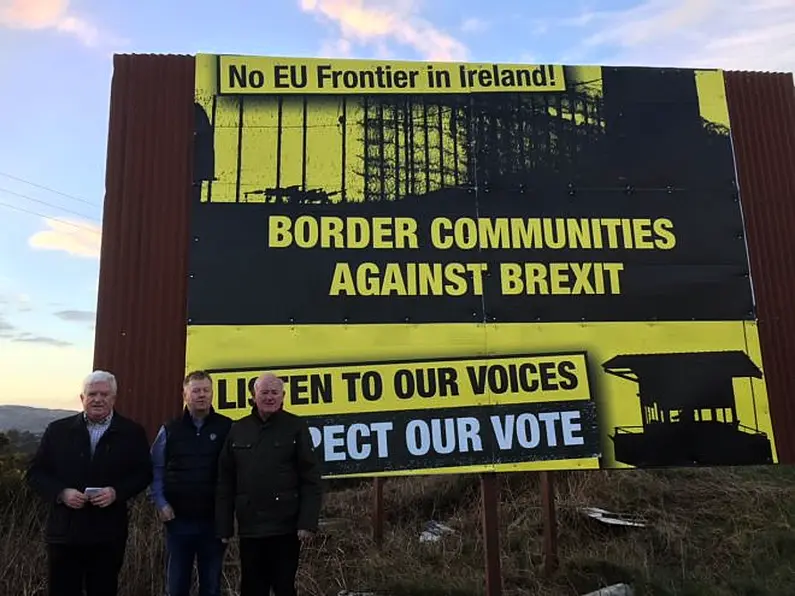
point(25, 418)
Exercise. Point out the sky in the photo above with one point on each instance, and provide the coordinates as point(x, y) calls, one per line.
point(56, 67)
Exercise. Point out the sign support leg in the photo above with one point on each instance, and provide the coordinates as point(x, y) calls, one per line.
point(378, 511)
point(550, 523)
point(489, 491)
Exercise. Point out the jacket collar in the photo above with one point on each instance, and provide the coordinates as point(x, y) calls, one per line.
point(79, 421)
point(255, 414)
point(188, 419)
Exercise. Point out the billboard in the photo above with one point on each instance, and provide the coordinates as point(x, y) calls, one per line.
point(477, 267)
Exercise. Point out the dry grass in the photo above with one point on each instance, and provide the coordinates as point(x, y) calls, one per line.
point(711, 532)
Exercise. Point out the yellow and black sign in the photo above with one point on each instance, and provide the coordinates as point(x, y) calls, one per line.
point(468, 267)
point(302, 76)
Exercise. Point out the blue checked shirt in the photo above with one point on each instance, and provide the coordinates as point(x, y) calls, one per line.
point(97, 429)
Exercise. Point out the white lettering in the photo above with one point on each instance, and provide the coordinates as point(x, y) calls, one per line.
point(418, 437)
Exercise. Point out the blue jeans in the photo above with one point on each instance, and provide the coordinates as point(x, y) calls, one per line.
point(186, 541)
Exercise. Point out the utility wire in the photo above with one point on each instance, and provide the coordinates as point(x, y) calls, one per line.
point(45, 203)
point(36, 213)
point(48, 189)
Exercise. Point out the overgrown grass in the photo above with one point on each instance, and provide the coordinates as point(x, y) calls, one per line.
point(710, 532)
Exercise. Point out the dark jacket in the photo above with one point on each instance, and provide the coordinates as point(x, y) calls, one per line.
point(268, 477)
point(191, 464)
point(63, 460)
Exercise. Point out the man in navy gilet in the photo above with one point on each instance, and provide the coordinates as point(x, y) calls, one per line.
point(185, 460)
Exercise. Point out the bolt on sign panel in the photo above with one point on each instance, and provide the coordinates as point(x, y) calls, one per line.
point(477, 267)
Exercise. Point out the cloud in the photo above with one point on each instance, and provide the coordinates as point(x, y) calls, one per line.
point(6, 328)
point(729, 34)
point(15, 301)
point(368, 22)
point(473, 25)
point(77, 316)
point(74, 237)
point(54, 15)
point(30, 338)
point(11, 332)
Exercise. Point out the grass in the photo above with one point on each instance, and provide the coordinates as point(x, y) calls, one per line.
point(710, 532)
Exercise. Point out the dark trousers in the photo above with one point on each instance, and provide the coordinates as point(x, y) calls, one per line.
point(95, 567)
point(269, 563)
point(187, 541)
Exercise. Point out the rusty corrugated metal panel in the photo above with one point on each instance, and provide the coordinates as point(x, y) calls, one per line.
point(762, 113)
point(141, 310)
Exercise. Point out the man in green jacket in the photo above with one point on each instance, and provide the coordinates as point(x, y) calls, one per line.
point(269, 479)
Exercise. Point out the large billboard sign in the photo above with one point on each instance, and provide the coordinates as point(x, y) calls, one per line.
point(477, 267)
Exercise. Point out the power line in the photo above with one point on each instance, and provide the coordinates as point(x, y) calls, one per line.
point(48, 189)
point(36, 213)
point(29, 198)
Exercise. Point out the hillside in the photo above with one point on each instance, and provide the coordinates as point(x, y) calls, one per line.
point(26, 418)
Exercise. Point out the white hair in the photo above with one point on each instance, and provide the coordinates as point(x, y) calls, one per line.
point(100, 376)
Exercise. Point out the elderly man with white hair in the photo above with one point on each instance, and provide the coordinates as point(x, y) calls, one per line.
point(87, 468)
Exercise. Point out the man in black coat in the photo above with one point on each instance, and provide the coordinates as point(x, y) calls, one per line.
point(88, 467)
point(269, 479)
point(185, 458)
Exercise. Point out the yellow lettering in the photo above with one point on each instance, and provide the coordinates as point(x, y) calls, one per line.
point(405, 232)
point(536, 274)
point(393, 281)
point(382, 232)
point(511, 279)
point(342, 281)
point(579, 232)
point(279, 231)
point(613, 270)
point(560, 278)
point(527, 232)
point(358, 232)
point(466, 233)
point(643, 234)
point(331, 232)
point(663, 227)
point(612, 231)
point(626, 232)
point(306, 232)
point(367, 280)
point(494, 233)
point(438, 226)
point(477, 270)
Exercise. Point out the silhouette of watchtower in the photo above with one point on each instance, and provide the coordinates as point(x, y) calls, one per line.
point(688, 411)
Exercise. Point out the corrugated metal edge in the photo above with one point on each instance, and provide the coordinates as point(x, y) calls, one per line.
point(141, 305)
point(762, 114)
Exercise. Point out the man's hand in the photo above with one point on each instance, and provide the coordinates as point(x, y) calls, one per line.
point(166, 514)
point(305, 536)
point(104, 497)
point(72, 498)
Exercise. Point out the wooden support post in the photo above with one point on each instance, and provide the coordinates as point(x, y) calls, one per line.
point(490, 496)
point(550, 523)
point(378, 511)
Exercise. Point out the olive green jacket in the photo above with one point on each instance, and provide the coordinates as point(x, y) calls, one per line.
point(268, 477)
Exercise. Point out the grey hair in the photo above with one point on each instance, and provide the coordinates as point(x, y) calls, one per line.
point(100, 376)
point(269, 376)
